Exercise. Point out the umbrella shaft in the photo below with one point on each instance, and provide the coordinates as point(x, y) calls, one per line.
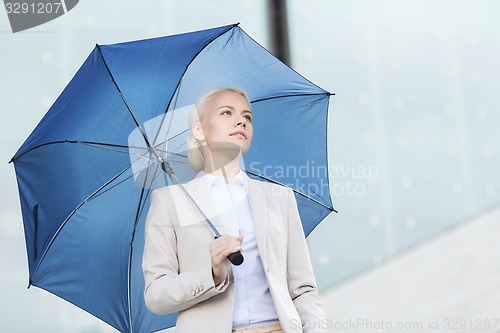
point(170, 172)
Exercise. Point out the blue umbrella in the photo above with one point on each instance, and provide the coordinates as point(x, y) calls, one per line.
point(86, 173)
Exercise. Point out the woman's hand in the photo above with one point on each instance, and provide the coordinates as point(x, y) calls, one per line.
point(220, 248)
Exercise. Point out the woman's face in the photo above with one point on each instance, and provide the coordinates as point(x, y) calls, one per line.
point(226, 123)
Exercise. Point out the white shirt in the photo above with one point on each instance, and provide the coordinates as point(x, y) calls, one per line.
point(252, 298)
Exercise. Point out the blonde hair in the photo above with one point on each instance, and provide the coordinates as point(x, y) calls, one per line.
point(195, 153)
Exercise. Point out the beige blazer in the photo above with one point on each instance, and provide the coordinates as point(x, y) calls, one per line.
point(178, 269)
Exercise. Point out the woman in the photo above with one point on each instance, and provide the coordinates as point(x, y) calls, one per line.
point(187, 270)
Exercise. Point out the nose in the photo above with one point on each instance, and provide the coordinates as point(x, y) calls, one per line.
point(242, 121)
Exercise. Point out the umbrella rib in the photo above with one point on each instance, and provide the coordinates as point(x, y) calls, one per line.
point(302, 194)
point(165, 114)
point(296, 95)
point(138, 172)
point(180, 162)
point(196, 55)
point(99, 145)
point(155, 176)
point(136, 121)
point(129, 268)
point(177, 89)
point(104, 146)
point(174, 151)
point(138, 214)
point(180, 133)
point(287, 65)
point(139, 156)
point(141, 207)
point(171, 138)
point(90, 143)
point(99, 193)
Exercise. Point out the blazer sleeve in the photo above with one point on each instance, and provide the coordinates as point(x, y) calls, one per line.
point(166, 289)
point(301, 281)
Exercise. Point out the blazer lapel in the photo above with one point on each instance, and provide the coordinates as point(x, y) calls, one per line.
point(200, 193)
point(258, 207)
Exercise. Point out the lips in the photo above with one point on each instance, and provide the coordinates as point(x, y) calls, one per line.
point(239, 133)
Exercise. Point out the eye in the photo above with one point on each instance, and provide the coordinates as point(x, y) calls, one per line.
point(248, 117)
point(226, 112)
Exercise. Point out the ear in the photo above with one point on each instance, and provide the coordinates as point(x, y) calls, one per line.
point(197, 131)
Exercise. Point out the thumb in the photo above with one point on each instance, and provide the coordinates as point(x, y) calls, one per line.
point(240, 238)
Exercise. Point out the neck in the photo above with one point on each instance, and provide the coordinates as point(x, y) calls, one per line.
point(228, 168)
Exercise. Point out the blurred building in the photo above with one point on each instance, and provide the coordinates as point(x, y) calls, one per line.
point(414, 149)
point(449, 283)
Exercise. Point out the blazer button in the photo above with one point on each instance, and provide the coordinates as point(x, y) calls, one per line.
point(201, 288)
point(193, 292)
point(197, 290)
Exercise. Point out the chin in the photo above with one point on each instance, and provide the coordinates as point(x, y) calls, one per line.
point(244, 150)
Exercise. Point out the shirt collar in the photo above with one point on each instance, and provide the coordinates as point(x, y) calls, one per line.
point(210, 179)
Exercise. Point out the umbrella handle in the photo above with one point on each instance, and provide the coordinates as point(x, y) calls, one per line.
point(236, 258)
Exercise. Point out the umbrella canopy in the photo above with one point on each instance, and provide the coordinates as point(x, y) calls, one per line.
point(86, 172)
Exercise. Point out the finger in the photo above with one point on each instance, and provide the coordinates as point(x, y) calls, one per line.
point(240, 239)
point(227, 240)
point(223, 246)
point(224, 239)
point(223, 250)
point(217, 248)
